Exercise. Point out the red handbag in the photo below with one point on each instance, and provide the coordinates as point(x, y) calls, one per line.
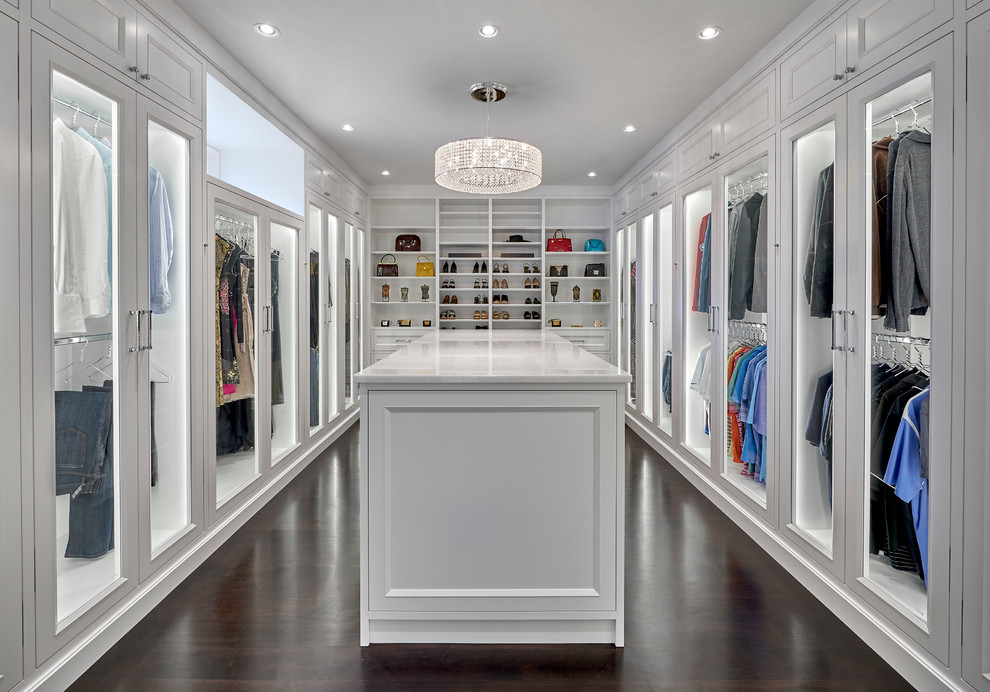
point(561, 244)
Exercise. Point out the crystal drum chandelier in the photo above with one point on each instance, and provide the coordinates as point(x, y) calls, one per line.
point(488, 165)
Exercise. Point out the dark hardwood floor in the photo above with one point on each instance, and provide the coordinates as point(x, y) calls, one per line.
point(276, 608)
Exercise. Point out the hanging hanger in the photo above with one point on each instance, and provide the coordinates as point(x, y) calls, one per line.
point(96, 126)
point(82, 361)
point(168, 378)
point(75, 116)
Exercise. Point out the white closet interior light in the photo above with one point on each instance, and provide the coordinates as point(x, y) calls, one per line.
point(269, 30)
point(629, 128)
point(488, 30)
point(347, 127)
point(709, 32)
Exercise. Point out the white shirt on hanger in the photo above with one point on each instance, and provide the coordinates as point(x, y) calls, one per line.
point(79, 231)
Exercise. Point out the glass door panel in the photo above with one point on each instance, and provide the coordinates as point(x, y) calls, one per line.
point(314, 284)
point(899, 136)
point(283, 329)
point(238, 324)
point(699, 363)
point(744, 286)
point(665, 311)
point(87, 372)
point(813, 358)
point(353, 249)
point(167, 392)
point(627, 283)
point(641, 274)
point(334, 315)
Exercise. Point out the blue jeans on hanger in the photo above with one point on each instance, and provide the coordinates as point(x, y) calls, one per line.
point(84, 468)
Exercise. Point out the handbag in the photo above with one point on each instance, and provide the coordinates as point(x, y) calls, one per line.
point(424, 268)
point(594, 245)
point(557, 270)
point(407, 242)
point(597, 269)
point(561, 244)
point(387, 268)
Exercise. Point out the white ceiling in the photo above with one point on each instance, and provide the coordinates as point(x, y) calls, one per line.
point(577, 72)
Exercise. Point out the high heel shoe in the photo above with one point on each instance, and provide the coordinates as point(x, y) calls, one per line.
point(484, 267)
point(528, 284)
point(505, 268)
point(495, 268)
point(475, 270)
point(536, 283)
point(484, 283)
point(453, 267)
point(446, 268)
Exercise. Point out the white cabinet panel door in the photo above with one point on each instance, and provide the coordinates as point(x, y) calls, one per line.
point(698, 151)
point(747, 115)
point(814, 70)
point(878, 28)
point(168, 69)
point(105, 28)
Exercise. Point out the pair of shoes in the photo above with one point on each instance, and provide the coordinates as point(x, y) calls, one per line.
point(505, 284)
point(527, 315)
point(528, 284)
point(477, 283)
point(526, 269)
point(447, 284)
point(495, 269)
point(445, 268)
point(448, 315)
point(446, 300)
point(484, 283)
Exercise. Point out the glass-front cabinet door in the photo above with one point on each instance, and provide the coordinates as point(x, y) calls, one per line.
point(353, 252)
point(814, 396)
point(240, 317)
point(896, 330)
point(663, 315)
point(699, 367)
point(85, 335)
point(282, 329)
point(332, 279)
point(626, 240)
point(166, 313)
point(316, 298)
point(742, 246)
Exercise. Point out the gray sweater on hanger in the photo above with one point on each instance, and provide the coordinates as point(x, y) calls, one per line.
point(910, 211)
point(742, 254)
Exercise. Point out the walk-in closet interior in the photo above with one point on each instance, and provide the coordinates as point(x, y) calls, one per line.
point(201, 261)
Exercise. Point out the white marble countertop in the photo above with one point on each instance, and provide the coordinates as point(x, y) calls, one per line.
point(471, 356)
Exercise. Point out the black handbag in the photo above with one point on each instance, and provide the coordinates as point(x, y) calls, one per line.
point(387, 268)
point(596, 269)
point(557, 270)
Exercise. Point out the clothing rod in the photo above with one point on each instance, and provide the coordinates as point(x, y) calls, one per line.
point(741, 323)
point(63, 340)
point(752, 179)
point(891, 339)
point(75, 107)
point(236, 222)
point(902, 110)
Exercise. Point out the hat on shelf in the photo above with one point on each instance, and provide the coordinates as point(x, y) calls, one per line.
point(517, 239)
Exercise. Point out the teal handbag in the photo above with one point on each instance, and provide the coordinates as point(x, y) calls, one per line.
point(594, 245)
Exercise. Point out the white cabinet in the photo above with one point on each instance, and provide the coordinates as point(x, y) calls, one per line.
point(878, 28)
point(659, 179)
point(11, 643)
point(318, 176)
point(976, 521)
point(698, 151)
point(626, 200)
point(115, 32)
point(744, 117)
point(814, 69)
point(170, 70)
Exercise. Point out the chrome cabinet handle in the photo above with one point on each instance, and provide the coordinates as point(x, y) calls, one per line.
point(837, 77)
point(711, 323)
point(835, 347)
point(845, 329)
point(137, 346)
point(133, 68)
point(653, 313)
point(150, 331)
point(145, 76)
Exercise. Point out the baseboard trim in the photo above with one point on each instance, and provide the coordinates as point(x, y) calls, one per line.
point(62, 669)
point(918, 667)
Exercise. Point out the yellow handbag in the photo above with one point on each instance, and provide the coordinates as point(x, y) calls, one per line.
point(424, 268)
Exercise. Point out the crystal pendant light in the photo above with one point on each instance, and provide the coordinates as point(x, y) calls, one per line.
point(488, 165)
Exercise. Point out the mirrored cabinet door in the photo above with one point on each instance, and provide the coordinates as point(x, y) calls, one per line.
point(166, 318)
point(238, 320)
point(353, 252)
point(627, 240)
point(316, 299)
point(85, 334)
point(334, 373)
point(699, 364)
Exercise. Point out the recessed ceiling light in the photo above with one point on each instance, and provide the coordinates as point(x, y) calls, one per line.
point(709, 32)
point(386, 173)
point(591, 174)
point(629, 128)
point(347, 127)
point(488, 30)
point(268, 30)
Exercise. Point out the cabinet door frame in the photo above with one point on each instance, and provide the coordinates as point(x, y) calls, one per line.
point(51, 634)
point(933, 635)
point(662, 202)
point(148, 112)
point(976, 522)
point(682, 368)
point(11, 349)
point(123, 57)
point(228, 195)
point(335, 375)
point(788, 416)
point(766, 147)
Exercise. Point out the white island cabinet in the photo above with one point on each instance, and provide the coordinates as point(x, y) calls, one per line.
point(492, 483)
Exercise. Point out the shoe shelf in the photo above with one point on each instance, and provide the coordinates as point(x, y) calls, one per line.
point(404, 276)
point(403, 252)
